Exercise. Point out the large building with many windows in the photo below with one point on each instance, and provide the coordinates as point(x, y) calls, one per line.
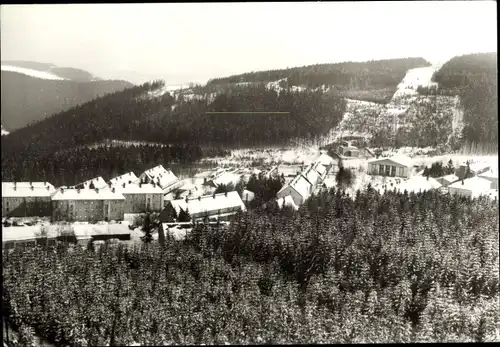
point(89, 205)
point(26, 199)
point(399, 166)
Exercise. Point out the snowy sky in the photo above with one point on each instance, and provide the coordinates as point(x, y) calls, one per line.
point(193, 42)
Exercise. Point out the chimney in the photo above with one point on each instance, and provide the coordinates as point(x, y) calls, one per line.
point(97, 190)
point(15, 188)
point(225, 194)
point(462, 181)
point(48, 188)
point(129, 182)
point(32, 188)
point(113, 189)
point(199, 198)
point(186, 199)
point(140, 185)
point(123, 185)
point(15, 184)
point(78, 190)
point(130, 173)
point(62, 190)
point(214, 195)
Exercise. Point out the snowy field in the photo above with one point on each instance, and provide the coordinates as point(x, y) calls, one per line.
point(32, 73)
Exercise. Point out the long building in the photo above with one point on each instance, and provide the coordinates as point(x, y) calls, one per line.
point(216, 206)
point(26, 199)
point(127, 178)
point(87, 204)
point(140, 198)
point(397, 166)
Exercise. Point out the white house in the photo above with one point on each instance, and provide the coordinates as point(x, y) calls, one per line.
point(161, 177)
point(299, 189)
point(398, 166)
point(492, 176)
point(471, 187)
point(418, 184)
point(211, 206)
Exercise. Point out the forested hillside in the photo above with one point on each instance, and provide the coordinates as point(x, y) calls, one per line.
point(395, 268)
point(25, 99)
point(128, 116)
point(474, 78)
point(370, 81)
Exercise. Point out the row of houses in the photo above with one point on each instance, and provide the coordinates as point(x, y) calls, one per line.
point(305, 183)
point(97, 200)
point(94, 199)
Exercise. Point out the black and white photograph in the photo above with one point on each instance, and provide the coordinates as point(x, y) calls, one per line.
point(249, 173)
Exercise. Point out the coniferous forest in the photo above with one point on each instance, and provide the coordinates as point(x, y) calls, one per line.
point(393, 268)
point(474, 78)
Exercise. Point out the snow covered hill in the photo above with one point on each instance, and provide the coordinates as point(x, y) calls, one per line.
point(33, 73)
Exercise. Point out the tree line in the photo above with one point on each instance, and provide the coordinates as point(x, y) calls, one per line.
point(378, 74)
point(374, 268)
point(77, 165)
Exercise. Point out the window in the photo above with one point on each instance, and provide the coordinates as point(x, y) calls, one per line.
point(387, 170)
point(393, 171)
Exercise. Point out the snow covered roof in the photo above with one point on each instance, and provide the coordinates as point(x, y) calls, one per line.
point(450, 178)
point(164, 178)
point(398, 159)
point(320, 169)
point(226, 178)
point(27, 189)
point(87, 194)
point(176, 232)
point(129, 177)
point(301, 185)
point(490, 174)
point(287, 201)
point(208, 203)
point(476, 165)
point(311, 175)
point(325, 159)
point(98, 182)
point(137, 188)
point(472, 184)
point(419, 183)
point(81, 231)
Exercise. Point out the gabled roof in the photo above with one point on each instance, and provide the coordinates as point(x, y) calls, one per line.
point(164, 178)
point(399, 159)
point(27, 189)
point(320, 169)
point(311, 175)
point(87, 194)
point(129, 177)
point(450, 178)
point(325, 159)
point(137, 188)
point(208, 203)
point(98, 182)
point(301, 185)
point(472, 184)
point(226, 178)
point(490, 174)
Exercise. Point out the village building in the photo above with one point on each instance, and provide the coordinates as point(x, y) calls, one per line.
point(224, 178)
point(325, 160)
point(215, 206)
point(475, 169)
point(346, 149)
point(470, 187)
point(93, 183)
point(445, 181)
point(141, 198)
point(165, 179)
point(27, 199)
point(398, 166)
point(321, 170)
point(272, 172)
point(491, 176)
point(299, 189)
point(418, 184)
point(87, 204)
point(127, 178)
point(311, 175)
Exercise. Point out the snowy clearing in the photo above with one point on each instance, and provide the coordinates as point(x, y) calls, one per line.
point(32, 73)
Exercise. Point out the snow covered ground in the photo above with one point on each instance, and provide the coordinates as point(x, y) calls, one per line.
point(32, 73)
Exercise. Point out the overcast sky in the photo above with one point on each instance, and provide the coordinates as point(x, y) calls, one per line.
point(193, 42)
